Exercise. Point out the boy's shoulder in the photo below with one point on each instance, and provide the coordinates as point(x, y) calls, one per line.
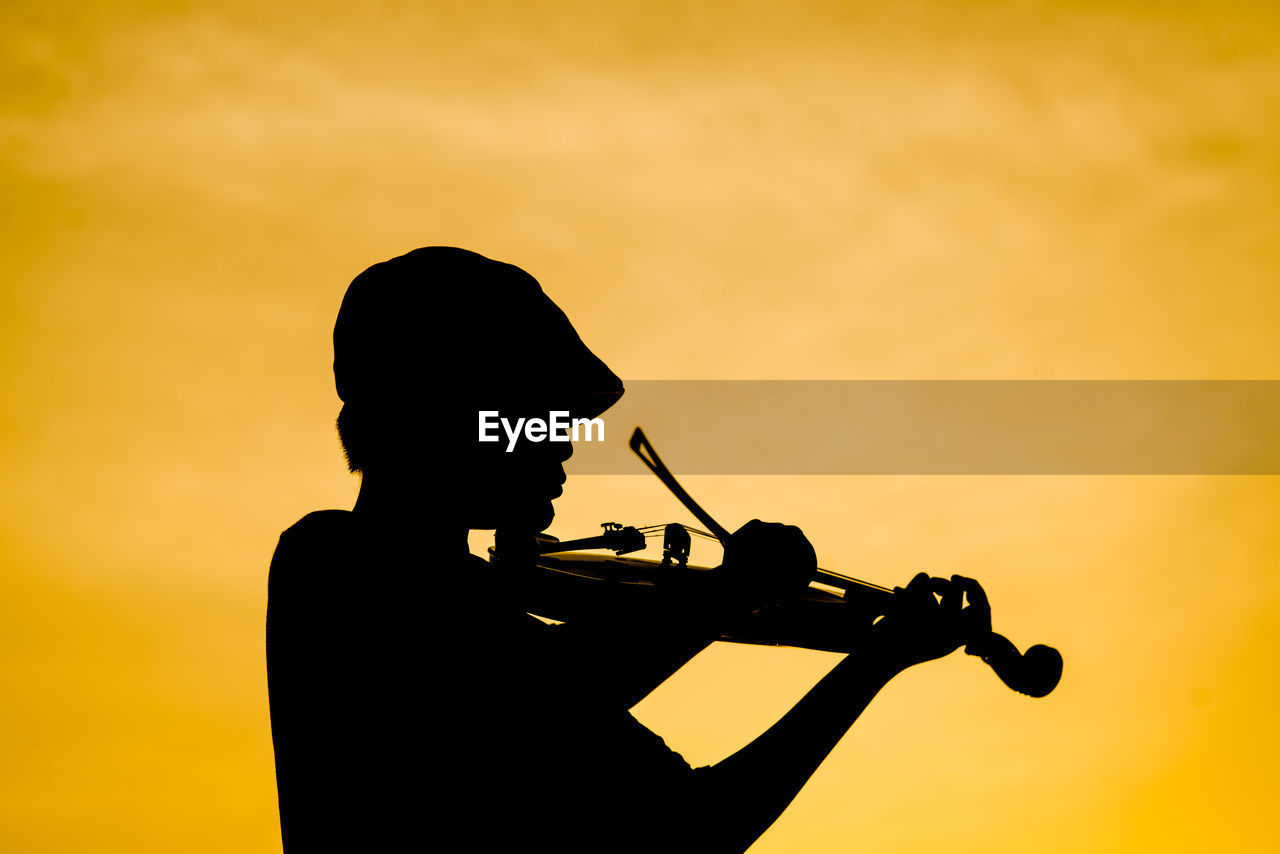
point(319, 523)
point(316, 537)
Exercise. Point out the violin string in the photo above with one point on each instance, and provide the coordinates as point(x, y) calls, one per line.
point(658, 529)
point(655, 530)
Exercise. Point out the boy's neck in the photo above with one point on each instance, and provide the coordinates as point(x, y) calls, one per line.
point(410, 509)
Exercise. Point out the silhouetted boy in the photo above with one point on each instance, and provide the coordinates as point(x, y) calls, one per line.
point(415, 705)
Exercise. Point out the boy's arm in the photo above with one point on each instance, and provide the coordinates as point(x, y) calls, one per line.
point(741, 796)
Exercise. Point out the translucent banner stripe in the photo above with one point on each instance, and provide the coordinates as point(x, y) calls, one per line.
point(813, 427)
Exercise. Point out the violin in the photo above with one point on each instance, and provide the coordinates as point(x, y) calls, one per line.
point(562, 584)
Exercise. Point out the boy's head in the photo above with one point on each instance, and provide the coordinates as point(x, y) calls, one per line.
point(426, 340)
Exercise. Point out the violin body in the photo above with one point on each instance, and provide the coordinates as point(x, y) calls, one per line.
point(572, 587)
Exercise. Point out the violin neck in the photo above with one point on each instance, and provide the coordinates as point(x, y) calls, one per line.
point(851, 585)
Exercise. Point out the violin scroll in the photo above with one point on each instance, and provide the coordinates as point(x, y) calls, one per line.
point(1034, 673)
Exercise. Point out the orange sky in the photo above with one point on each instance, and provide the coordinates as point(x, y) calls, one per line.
point(916, 190)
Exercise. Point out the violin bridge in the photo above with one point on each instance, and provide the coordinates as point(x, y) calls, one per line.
point(675, 546)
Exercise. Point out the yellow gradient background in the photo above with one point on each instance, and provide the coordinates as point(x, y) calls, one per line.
point(913, 190)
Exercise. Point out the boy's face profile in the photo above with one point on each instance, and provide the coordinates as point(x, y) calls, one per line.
point(514, 489)
point(482, 483)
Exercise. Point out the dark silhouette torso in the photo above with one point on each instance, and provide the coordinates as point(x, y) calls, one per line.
point(414, 705)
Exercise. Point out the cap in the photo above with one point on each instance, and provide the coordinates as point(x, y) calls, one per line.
point(460, 326)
